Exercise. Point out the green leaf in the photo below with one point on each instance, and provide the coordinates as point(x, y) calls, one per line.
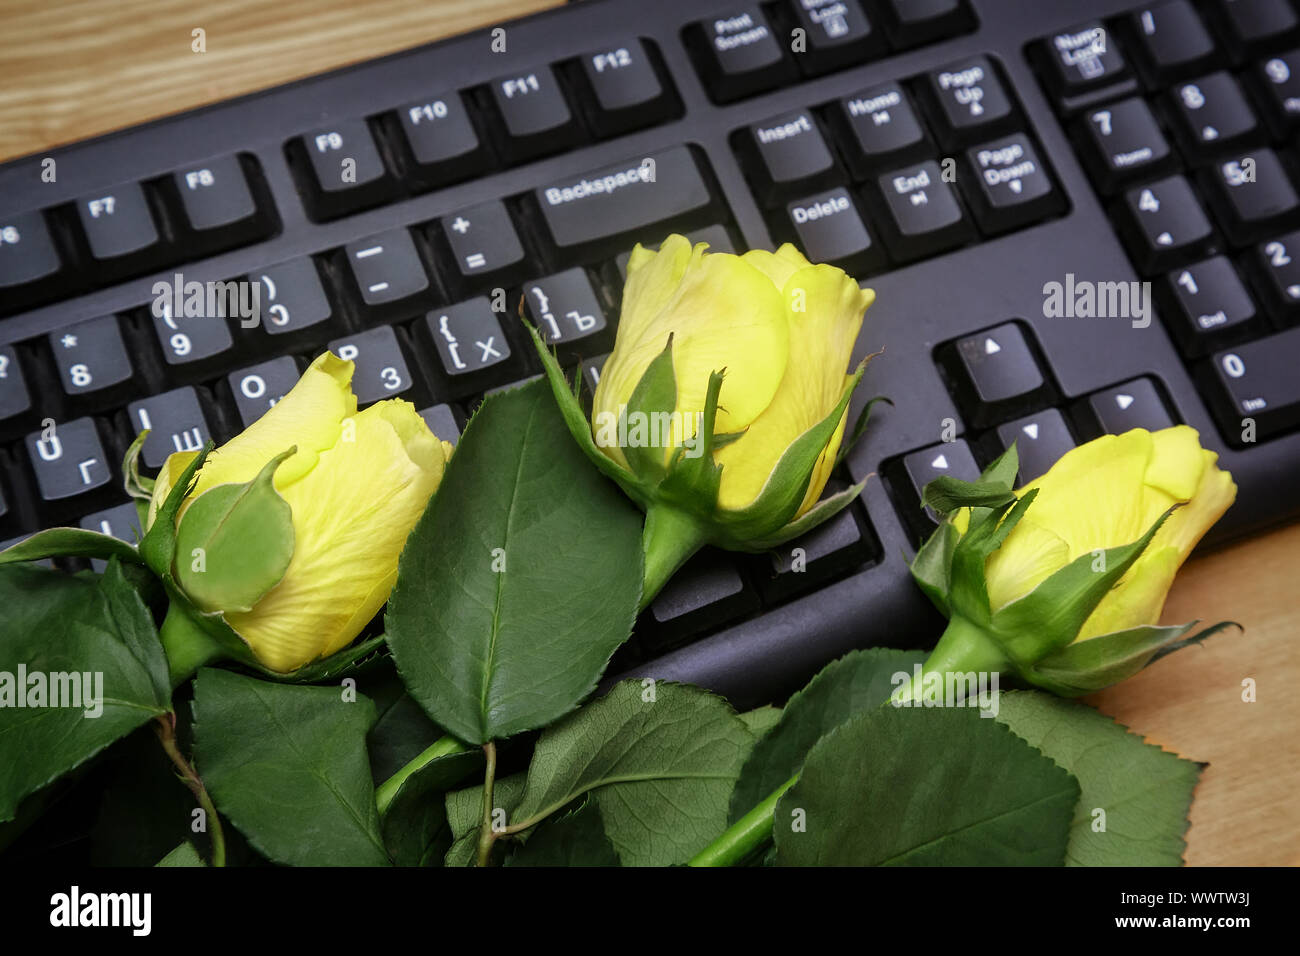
point(1086, 666)
point(1052, 614)
point(857, 682)
point(244, 533)
point(659, 770)
point(1143, 791)
point(183, 855)
point(56, 626)
point(287, 764)
point(575, 839)
point(761, 719)
point(519, 581)
point(925, 787)
point(415, 827)
point(70, 542)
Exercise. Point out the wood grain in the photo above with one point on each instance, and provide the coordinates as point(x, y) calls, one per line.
point(76, 68)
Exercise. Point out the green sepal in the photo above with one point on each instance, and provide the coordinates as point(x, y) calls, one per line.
point(932, 567)
point(1052, 615)
point(1086, 666)
point(988, 528)
point(859, 426)
point(993, 489)
point(158, 547)
point(139, 487)
point(655, 394)
point(243, 534)
point(70, 542)
point(822, 511)
point(778, 502)
point(576, 421)
point(692, 483)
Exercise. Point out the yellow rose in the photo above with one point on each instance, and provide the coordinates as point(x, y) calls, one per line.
point(1063, 581)
point(722, 407)
point(356, 483)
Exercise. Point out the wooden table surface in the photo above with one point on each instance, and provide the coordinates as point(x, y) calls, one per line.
point(76, 68)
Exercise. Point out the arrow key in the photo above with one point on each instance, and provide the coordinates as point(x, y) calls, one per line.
point(1040, 440)
point(919, 468)
point(1163, 224)
point(994, 372)
point(1134, 404)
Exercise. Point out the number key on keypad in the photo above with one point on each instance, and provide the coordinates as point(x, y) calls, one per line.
point(1171, 39)
point(1164, 224)
point(1209, 298)
point(1121, 142)
point(1281, 271)
point(1252, 195)
point(1212, 115)
point(1258, 381)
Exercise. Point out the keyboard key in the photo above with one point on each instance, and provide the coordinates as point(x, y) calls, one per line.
point(828, 551)
point(259, 387)
point(1258, 381)
point(1256, 26)
point(969, 100)
point(1082, 58)
point(386, 268)
point(911, 22)
point(1211, 115)
point(1012, 185)
point(117, 222)
point(1121, 142)
point(347, 172)
point(881, 127)
point(1041, 438)
point(68, 459)
point(1163, 224)
point(467, 336)
point(836, 32)
point(190, 339)
point(1208, 299)
point(1281, 273)
point(1252, 196)
point(27, 252)
point(441, 139)
point(786, 152)
point(175, 422)
point(442, 421)
point(996, 372)
point(293, 297)
point(121, 522)
point(215, 195)
point(381, 370)
point(610, 202)
point(483, 239)
point(535, 114)
point(739, 54)
point(1171, 41)
point(952, 459)
point(924, 215)
point(91, 356)
point(14, 396)
point(1134, 404)
point(564, 307)
point(589, 370)
point(707, 592)
point(1279, 80)
point(625, 91)
point(829, 228)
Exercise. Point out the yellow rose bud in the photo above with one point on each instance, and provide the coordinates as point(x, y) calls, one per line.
point(1063, 581)
point(356, 483)
point(722, 407)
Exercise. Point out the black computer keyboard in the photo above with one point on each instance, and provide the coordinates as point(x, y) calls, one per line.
point(986, 165)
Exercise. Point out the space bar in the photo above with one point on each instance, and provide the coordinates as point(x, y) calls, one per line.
point(623, 197)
